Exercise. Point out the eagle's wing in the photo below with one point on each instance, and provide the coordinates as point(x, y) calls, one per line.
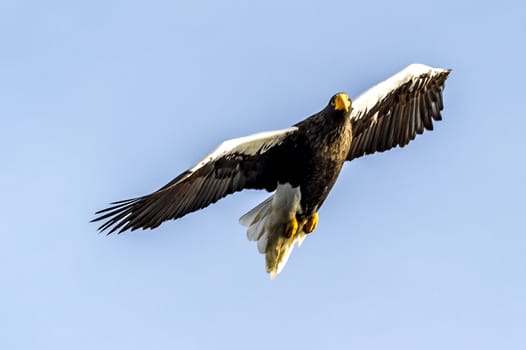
point(236, 164)
point(391, 113)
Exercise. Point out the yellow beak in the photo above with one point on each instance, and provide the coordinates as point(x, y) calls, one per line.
point(342, 102)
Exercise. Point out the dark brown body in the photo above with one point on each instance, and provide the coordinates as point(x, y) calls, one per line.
point(312, 159)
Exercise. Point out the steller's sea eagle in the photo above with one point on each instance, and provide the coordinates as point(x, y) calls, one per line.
point(300, 163)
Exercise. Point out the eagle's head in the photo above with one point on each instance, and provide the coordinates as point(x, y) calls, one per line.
point(340, 102)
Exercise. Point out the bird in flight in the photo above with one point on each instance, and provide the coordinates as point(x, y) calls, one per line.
point(299, 164)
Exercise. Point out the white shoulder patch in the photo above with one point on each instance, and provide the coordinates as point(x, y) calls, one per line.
point(249, 145)
point(377, 93)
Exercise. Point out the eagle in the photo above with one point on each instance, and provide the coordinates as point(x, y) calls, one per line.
point(299, 164)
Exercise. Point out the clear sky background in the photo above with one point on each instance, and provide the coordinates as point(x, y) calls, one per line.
point(417, 248)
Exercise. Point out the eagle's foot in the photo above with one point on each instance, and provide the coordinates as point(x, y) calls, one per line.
point(291, 227)
point(311, 223)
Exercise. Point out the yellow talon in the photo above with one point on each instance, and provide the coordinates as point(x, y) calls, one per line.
point(291, 228)
point(311, 223)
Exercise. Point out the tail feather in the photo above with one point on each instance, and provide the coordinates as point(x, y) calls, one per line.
point(280, 249)
point(266, 225)
point(255, 213)
point(262, 243)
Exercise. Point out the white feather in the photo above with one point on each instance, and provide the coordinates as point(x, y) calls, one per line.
point(249, 145)
point(266, 224)
point(252, 215)
point(377, 93)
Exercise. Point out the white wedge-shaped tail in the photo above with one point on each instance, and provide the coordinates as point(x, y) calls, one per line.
point(266, 225)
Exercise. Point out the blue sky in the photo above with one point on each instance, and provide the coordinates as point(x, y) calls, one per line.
point(416, 248)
